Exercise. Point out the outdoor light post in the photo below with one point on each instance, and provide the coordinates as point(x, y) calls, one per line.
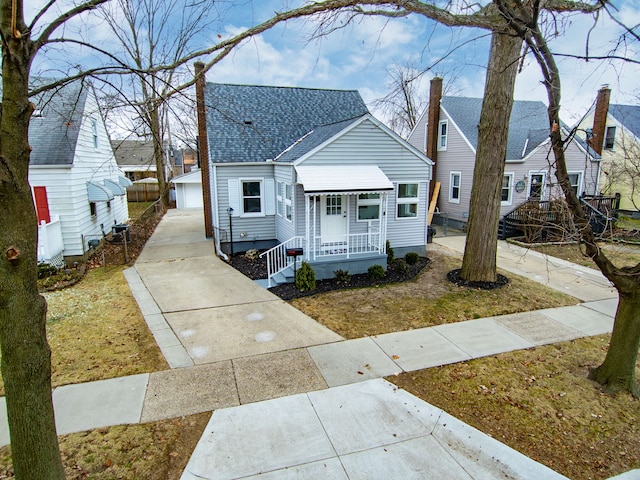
point(230, 212)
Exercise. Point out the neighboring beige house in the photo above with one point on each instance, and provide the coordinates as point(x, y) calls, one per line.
point(614, 132)
point(448, 132)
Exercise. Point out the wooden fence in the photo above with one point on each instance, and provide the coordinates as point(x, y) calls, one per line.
point(143, 192)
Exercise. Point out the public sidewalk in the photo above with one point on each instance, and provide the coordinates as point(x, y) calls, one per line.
point(294, 400)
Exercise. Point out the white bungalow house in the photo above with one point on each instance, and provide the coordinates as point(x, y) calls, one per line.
point(79, 191)
point(529, 171)
point(311, 169)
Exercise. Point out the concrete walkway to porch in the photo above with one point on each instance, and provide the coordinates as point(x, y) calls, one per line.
point(291, 399)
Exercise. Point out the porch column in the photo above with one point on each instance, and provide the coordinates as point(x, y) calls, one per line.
point(307, 206)
point(383, 224)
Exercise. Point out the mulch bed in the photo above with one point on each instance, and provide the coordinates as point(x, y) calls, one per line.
point(454, 277)
point(398, 271)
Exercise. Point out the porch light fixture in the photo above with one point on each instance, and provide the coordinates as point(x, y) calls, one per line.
point(230, 212)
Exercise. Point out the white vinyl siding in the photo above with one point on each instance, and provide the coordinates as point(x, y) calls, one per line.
point(67, 185)
point(367, 145)
point(229, 194)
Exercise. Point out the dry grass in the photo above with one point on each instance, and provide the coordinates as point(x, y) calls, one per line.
point(540, 402)
point(621, 255)
point(427, 301)
point(96, 331)
point(153, 451)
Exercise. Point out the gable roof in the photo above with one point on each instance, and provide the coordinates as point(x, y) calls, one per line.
point(55, 125)
point(250, 123)
point(627, 115)
point(528, 125)
point(133, 152)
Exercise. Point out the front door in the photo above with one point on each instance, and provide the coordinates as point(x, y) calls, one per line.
point(333, 223)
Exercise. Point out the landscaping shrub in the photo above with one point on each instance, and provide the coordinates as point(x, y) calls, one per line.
point(342, 276)
point(411, 258)
point(46, 270)
point(400, 266)
point(252, 254)
point(390, 253)
point(305, 277)
point(376, 272)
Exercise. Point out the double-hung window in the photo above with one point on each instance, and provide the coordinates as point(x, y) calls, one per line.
point(280, 199)
point(507, 187)
point(443, 128)
point(454, 187)
point(252, 197)
point(610, 138)
point(536, 185)
point(94, 132)
point(368, 206)
point(576, 182)
point(407, 201)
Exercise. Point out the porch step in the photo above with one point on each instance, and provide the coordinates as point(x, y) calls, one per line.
point(284, 276)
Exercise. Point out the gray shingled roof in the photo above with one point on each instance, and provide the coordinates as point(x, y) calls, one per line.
point(249, 123)
point(53, 131)
point(313, 139)
point(528, 125)
point(628, 115)
point(133, 152)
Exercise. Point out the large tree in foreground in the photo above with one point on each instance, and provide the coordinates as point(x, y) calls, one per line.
point(618, 371)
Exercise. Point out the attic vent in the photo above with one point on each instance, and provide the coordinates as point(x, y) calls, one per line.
point(248, 122)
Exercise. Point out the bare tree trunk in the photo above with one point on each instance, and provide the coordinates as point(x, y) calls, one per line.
point(618, 371)
point(158, 152)
point(26, 356)
point(479, 261)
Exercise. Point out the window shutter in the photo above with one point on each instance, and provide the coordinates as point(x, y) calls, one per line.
point(234, 196)
point(269, 196)
point(42, 204)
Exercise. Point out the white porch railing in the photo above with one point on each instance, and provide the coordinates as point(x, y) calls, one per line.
point(348, 245)
point(277, 259)
point(50, 242)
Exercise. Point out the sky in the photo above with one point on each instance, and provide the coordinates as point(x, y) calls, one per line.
point(360, 55)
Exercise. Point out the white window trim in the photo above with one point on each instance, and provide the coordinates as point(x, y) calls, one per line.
point(280, 199)
point(544, 183)
point(510, 199)
point(261, 213)
point(366, 202)
point(615, 133)
point(288, 202)
point(451, 175)
point(443, 148)
point(409, 200)
point(580, 181)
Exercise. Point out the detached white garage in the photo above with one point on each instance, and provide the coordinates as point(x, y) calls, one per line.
point(188, 190)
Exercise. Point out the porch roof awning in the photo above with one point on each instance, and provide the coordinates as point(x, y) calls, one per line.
point(115, 188)
point(342, 179)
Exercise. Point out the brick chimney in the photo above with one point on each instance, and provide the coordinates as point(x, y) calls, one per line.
point(433, 118)
point(203, 145)
point(600, 118)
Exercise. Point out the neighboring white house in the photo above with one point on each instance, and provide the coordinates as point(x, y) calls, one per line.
point(188, 190)
point(614, 132)
point(73, 173)
point(529, 171)
point(312, 169)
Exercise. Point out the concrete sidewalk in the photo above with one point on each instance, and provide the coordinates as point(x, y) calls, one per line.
point(292, 399)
